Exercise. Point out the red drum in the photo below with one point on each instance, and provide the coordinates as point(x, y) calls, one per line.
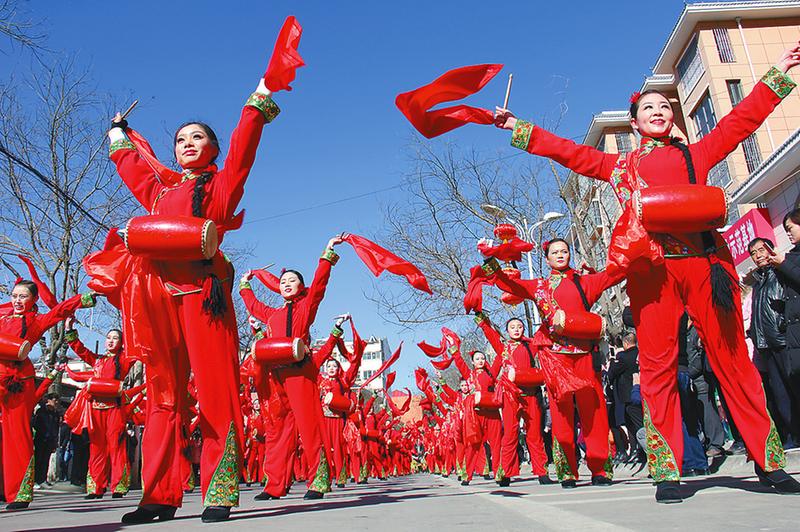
point(486, 401)
point(338, 403)
point(580, 325)
point(681, 208)
point(100, 388)
point(13, 348)
point(170, 237)
point(279, 351)
point(528, 378)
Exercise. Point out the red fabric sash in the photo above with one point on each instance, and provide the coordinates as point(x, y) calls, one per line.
point(378, 260)
point(44, 291)
point(390, 377)
point(285, 59)
point(450, 86)
point(473, 299)
point(510, 251)
point(268, 279)
point(392, 359)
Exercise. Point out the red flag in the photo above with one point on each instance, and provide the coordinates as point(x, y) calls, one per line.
point(510, 251)
point(443, 364)
point(285, 59)
point(378, 259)
point(391, 360)
point(473, 299)
point(44, 291)
point(390, 377)
point(431, 350)
point(450, 86)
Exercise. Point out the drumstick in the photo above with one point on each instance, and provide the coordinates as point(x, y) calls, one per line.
point(508, 91)
point(268, 266)
point(136, 102)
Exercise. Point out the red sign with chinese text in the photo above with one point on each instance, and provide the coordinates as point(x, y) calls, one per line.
point(755, 223)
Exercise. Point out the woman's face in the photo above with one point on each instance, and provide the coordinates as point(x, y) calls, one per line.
point(792, 231)
point(654, 118)
point(463, 386)
point(22, 300)
point(515, 329)
point(479, 360)
point(113, 341)
point(331, 368)
point(558, 256)
point(193, 147)
point(290, 285)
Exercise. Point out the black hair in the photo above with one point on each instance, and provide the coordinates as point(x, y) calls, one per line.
point(793, 215)
point(476, 352)
point(634, 109)
point(51, 395)
point(549, 243)
point(117, 363)
point(206, 129)
point(298, 274)
point(767, 242)
point(30, 285)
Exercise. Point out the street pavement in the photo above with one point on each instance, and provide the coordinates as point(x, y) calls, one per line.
point(729, 501)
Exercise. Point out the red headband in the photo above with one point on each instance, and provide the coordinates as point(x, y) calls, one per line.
point(545, 245)
point(635, 97)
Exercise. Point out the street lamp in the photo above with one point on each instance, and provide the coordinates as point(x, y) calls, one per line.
point(526, 233)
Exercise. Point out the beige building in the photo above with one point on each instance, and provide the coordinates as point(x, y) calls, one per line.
point(714, 56)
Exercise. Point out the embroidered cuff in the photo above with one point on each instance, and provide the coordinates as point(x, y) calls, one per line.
point(521, 136)
point(780, 83)
point(259, 335)
point(244, 285)
point(265, 104)
point(331, 256)
point(490, 266)
point(88, 300)
point(71, 335)
point(52, 375)
point(123, 144)
point(480, 317)
point(337, 332)
point(452, 350)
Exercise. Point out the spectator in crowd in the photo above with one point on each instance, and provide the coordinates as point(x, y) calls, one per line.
point(700, 372)
point(80, 458)
point(45, 439)
point(620, 375)
point(767, 326)
point(64, 452)
point(694, 456)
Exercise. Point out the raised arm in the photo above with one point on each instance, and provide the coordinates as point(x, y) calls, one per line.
point(316, 292)
point(492, 335)
point(351, 374)
point(134, 170)
point(324, 352)
point(78, 347)
point(594, 284)
point(461, 364)
point(256, 308)
point(59, 313)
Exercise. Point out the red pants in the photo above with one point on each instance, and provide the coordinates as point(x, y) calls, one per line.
point(255, 464)
point(657, 301)
point(529, 409)
point(591, 405)
point(210, 350)
point(333, 436)
point(280, 453)
point(490, 428)
point(16, 410)
point(108, 456)
point(296, 389)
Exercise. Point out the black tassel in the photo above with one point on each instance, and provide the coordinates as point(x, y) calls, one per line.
point(12, 385)
point(721, 287)
point(214, 302)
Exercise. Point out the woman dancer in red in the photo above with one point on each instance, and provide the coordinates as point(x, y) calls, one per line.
point(479, 424)
point(518, 403)
point(18, 394)
point(180, 311)
point(108, 457)
point(692, 276)
point(295, 386)
point(567, 362)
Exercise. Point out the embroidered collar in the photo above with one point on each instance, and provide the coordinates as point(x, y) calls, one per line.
point(194, 173)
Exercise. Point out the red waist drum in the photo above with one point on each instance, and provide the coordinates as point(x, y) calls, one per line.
point(580, 325)
point(100, 388)
point(171, 238)
point(486, 401)
point(279, 351)
point(337, 403)
point(13, 348)
point(528, 378)
point(681, 208)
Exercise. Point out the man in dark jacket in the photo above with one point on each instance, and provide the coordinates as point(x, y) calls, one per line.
point(767, 331)
point(45, 439)
point(701, 373)
point(620, 375)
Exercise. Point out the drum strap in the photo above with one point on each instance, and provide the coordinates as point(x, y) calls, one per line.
point(289, 308)
point(577, 280)
point(721, 281)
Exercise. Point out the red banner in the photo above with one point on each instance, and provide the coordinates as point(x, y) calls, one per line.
point(755, 223)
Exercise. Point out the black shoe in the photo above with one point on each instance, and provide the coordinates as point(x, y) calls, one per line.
point(668, 492)
point(695, 473)
point(465, 482)
point(545, 480)
point(17, 506)
point(312, 495)
point(90, 496)
point(600, 480)
point(215, 514)
point(569, 484)
point(264, 496)
point(504, 482)
point(340, 485)
point(487, 477)
point(117, 495)
point(362, 481)
point(779, 479)
point(148, 514)
point(737, 448)
point(247, 484)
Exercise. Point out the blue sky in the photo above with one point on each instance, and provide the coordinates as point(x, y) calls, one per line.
point(339, 134)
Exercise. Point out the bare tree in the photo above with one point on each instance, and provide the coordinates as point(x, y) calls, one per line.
point(19, 27)
point(438, 226)
point(60, 193)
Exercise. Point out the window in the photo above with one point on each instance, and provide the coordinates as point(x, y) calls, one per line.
point(724, 48)
point(690, 67)
point(735, 91)
point(623, 142)
point(704, 121)
point(602, 144)
point(752, 152)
